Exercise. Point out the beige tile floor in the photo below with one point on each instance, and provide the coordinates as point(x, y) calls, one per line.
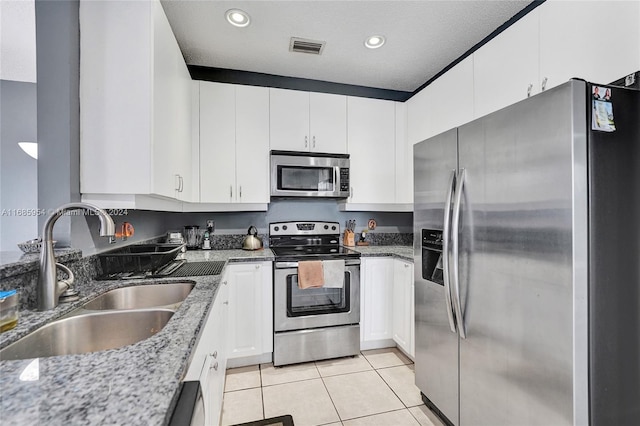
point(375, 388)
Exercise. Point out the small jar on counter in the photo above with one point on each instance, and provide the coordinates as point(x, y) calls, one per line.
point(8, 310)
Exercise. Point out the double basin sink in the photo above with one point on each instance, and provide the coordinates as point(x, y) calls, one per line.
point(114, 319)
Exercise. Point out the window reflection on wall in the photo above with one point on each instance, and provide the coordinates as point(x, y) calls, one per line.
point(18, 123)
point(18, 171)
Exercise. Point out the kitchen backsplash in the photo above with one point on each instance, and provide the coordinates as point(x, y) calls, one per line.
point(230, 230)
point(84, 270)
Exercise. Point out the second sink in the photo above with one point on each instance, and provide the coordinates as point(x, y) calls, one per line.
point(142, 296)
point(88, 333)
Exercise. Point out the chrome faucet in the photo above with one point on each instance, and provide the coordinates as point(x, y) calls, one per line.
point(49, 288)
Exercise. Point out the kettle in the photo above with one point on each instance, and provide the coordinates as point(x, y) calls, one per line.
point(251, 241)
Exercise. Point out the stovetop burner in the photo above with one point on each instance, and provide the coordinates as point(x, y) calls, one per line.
point(308, 240)
point(332, 250)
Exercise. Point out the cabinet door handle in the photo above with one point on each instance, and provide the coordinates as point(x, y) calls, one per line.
point(224, 282)
point(314, 141)
point(240, 192)
point(177, 182)
point(215, 354)
point(406, 266)
point(543, 86)
point(257, 266)
point(215, 366)
point(231, 192)
point(351, 191)
point(529, 89)
point(181, 184)
point(225, 303)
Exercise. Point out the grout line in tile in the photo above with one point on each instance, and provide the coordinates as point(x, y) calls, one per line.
point(331, 398)
point(383, 412)
point(264, 411)
point(389, 386)
point(412, 415)
point(365, 358)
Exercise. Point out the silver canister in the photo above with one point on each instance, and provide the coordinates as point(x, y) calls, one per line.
point(192, 236)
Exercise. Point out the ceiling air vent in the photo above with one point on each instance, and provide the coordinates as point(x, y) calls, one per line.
point(306, 46)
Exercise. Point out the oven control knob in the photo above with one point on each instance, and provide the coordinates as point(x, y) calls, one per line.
point(326, 227)
point(333, 228)
point(277, 228)
point(284, 227)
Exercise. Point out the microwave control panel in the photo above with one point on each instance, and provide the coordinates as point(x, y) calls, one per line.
point(344, 179)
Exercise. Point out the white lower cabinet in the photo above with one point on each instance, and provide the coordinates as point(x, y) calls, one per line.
point(403, 306)
point(376, 294)
point(386, 304)
point(209, 361)
point(250, 332)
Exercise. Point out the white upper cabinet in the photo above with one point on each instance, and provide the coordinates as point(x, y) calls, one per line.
point(304, 121)
point(217, 142)
point(445, 103)
point(404, 157)
point(371, 135)
point(135, 103)
point(594, 40)
point(252, 144)
point(289, 119)
point(328, 123)
point(234, 145)
point(505, 70)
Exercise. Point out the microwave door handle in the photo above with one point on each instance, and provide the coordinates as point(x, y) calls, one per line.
point(446, 232)
point(336, 184)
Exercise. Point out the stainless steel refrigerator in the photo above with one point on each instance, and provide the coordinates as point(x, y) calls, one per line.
point(527, 262)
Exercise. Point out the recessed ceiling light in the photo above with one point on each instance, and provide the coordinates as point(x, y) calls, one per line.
point(237, 17)
point(374, 41)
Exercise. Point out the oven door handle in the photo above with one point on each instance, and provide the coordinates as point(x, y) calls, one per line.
point(288, 265)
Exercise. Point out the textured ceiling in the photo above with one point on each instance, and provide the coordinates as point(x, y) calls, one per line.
point(423, 37)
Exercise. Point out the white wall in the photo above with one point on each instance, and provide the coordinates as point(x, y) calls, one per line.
point(17, 40)
point(18, 171)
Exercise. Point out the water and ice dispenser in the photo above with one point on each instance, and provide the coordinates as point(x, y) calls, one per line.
point(432, 256)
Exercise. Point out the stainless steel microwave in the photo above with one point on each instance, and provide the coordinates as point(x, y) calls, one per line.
point(309, 174)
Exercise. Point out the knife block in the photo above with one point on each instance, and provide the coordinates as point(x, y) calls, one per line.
point(349, 238)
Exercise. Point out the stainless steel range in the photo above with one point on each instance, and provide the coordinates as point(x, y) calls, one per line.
point(318, 322)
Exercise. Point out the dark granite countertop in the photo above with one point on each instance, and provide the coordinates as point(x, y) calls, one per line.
point(399, 252)
point(16, 262)
point(134, 385)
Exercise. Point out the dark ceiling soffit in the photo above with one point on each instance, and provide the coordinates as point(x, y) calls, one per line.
point(515, 18)
point(222, 75)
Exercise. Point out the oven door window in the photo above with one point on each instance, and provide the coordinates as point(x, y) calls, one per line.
point(316, 301)
point(301, 178)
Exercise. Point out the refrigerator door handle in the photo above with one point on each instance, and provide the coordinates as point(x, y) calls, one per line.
point(445, 252)
point(455, 247)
